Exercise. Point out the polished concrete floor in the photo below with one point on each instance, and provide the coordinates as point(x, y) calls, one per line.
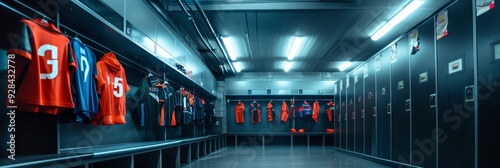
point(280, 157)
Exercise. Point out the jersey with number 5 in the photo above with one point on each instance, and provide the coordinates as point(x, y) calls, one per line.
point(44, 63)
point(111, 88)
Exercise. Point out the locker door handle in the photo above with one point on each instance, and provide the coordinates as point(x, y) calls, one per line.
point(353, 115)
point(388, 108)
point(469, 93)
point(363, 113)
point(432, 100)
point(374, 111)
point(408, 104)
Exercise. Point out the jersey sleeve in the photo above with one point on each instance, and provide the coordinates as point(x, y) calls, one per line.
point(125, 83)
point(72, 65)
point(20, 41)
point(100, 82)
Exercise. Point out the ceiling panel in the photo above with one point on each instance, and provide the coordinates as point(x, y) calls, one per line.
point(335, 30)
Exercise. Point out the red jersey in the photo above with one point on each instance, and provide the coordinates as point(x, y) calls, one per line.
point(111, 88)
point(44, 63)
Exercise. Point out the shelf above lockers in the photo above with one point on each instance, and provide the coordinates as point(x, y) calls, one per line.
point(102, 33)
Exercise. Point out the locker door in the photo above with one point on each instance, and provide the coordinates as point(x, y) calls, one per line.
point(488, 53)
point(383, 80)
point(359, 106)
point(343, 115)
point(401, 102)
point(423, 86)
point(350, 112)
point(369, 96)
point(455, 114)
point(336, 116)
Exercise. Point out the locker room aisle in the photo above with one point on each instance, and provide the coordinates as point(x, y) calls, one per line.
point(280, 156)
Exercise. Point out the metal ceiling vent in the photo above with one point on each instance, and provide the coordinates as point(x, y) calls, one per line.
point(202, 34)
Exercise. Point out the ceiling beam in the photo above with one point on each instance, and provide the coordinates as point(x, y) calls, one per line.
point(286, 6)
point(360, 2)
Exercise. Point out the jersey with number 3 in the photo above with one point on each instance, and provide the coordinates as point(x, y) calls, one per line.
point(111, 88)
point(44, 64)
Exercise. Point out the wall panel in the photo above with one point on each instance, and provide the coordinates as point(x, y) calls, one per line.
point(423, 81)
point(359, 106)
point(400, 95)
point(488, 81)
point(383, 80)
point(455, 115)
point(369, 96)
point(350, 112)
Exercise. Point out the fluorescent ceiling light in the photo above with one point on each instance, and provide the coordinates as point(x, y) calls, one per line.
point(287, 67)
point(296, 45)
point(228, 42)
point(407, 10)
point(344, 66)
point(237, 66)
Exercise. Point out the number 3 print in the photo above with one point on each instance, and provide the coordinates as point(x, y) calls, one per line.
point(52, 61)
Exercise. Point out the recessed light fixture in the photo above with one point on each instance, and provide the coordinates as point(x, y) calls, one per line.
point(344, 66)
point(405, 12)
point(287, 67)
point(228, 43)
point(296, 45)
point(237, 66)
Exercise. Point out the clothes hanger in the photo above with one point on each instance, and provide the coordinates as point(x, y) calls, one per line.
point(150, 74)
point(44, 19)
point(254, 101)
point(76, 37)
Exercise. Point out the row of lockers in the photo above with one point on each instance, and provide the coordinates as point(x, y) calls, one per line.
point(432, 108)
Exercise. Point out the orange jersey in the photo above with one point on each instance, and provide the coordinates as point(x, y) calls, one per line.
point(284, 112)
point(44, 63)
point(315, 113)
point(270, 111)
point(238, 112)
point(111, 88)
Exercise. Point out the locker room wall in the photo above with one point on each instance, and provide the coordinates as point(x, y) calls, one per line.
point(400, 94)
point(383, 81)
point(309, 125)
point(423, 115)
point(488, 82)
point(369, 96)
point(264, 125)
point(276, 125)
point(455, 116)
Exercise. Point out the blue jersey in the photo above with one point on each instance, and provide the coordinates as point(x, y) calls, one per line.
point(83, 83)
